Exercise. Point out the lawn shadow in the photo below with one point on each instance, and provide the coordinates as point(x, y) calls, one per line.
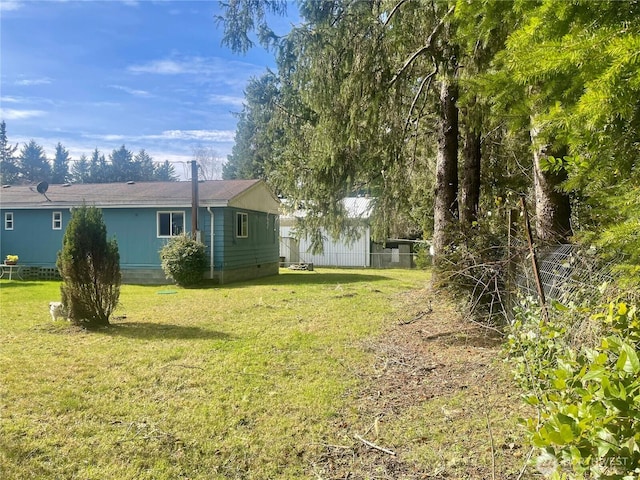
point(15, 283)
point(304, 278)
point(161, 331)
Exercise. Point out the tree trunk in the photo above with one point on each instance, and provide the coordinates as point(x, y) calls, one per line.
point(470, 188)
point(446, 195)
point(553, 209)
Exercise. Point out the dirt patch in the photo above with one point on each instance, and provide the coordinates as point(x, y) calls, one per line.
point(437, 402)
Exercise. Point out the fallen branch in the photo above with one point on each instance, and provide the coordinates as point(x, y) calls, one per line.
point(417, 317)
point(525, 464)
point(373, 445)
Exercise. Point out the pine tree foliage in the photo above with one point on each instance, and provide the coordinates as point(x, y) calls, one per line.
point(98, 168)
point(244, 17)
point(583, 60)
point(142, 169)
point(80, 170)
point(255, 135)
point(164, 172)
point(60, 171)
point(8, 161)
point(357, 108)
point(30, 165)
point(121, 168)
point(90, 269)
point(33, 164)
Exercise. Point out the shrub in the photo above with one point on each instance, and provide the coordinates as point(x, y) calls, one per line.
point(184, 260)
point(588, 397)
point(422, 255)
point(90, 268)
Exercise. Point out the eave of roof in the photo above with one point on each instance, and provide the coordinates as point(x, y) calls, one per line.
point(212, 193)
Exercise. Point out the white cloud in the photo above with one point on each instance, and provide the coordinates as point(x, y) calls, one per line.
point(112, 137)
point(202, 66)
point(200, 135)
point(9, 5)
point(33, 81)
point(12, 114)
point(11, 100)
point(227, 100)
point(132, 91)
point(216, 136)
point(164, 67)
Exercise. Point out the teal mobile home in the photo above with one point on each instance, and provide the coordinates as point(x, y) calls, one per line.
point(237, 220)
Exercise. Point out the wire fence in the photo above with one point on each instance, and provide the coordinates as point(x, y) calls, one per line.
point(567, 273)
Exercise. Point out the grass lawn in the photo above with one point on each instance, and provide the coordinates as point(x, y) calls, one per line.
point(248, 380)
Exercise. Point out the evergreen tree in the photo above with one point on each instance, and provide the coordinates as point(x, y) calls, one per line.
point(90, 269)
point(60, 173)
point(80, 171)
point(98, 168)
point(368, 97)
point(33, 164)
point(481, 32)
point(122, 167)
point(254, 135)
point(361, 84)
point(143, 167)
point(165, 172)
point(8, 163)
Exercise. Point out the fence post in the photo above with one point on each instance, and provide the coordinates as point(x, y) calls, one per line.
point(534, 261)
point(511, 285)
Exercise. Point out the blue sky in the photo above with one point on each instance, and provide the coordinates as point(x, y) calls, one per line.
point(144, 73)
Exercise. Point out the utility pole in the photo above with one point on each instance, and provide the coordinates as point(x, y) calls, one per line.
point(194, 200)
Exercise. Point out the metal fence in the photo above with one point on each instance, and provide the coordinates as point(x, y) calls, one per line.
point(567, 273)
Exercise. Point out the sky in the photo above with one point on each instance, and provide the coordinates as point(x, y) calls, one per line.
point(147, 74)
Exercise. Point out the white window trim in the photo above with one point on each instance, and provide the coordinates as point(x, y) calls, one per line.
point(242, 219)
point(8, 220)
point(56, 217)
point(171, 212)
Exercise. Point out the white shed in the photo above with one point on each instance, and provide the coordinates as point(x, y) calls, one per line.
point(337, 252)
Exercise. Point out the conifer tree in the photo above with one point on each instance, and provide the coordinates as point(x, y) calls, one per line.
point(142, 167)
point(60, 173)
point(122, 168)
point(255, 140)
point(98, 168)
point(8, 162)
point(80, 170)
point(164, 172)
point(33, 164)
point(90, 269)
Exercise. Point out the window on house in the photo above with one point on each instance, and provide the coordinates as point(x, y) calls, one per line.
point(170, 224)
point(56, 220)
point(242, 225)
point(8, 221)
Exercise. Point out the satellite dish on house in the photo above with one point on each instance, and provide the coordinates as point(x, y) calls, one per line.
point(42, 187)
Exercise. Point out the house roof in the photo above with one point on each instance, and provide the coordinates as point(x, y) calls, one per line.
point(250, 194)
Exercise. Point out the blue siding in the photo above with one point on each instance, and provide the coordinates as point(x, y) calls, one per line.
point(135, 229)
point(260, 247)
point(36, 243)
point(33, 238)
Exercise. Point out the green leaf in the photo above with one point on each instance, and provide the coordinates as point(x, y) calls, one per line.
point(631, 363)
point(622, 309)
point(595, 372)
point(566, 433)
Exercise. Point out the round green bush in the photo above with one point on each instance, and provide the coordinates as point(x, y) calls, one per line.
point(184, 260)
